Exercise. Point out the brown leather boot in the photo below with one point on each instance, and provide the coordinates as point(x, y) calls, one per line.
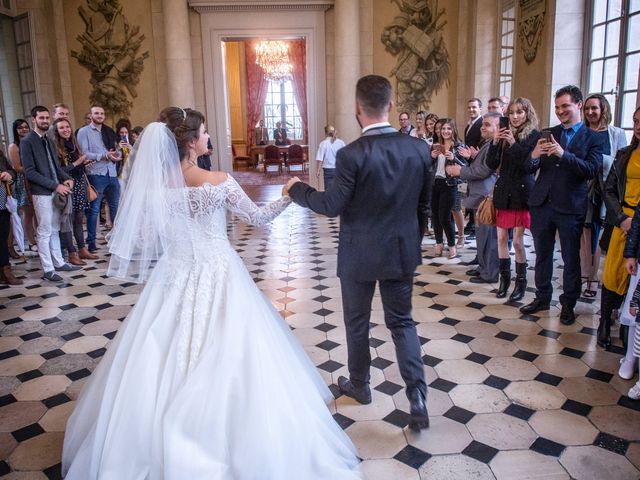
point(74, 259)
point(8, 277)
point(86, 254)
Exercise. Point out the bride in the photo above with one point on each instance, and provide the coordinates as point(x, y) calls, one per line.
point(204, 379)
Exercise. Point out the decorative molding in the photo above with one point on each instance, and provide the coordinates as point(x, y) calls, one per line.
point(207, 6)
point(110, 51)
point(530, 27)
point(415, 39)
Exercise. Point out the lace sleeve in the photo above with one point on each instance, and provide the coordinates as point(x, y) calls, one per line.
point(240, 204)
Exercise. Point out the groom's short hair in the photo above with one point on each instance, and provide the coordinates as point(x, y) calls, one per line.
point(373, 93)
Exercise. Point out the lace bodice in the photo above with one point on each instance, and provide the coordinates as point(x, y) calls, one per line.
point(208, 205)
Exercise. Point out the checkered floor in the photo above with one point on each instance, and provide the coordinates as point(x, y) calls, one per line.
point(510, 396)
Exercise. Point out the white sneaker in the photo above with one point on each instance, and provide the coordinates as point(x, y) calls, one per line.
point(627, 368)
point(634, 392)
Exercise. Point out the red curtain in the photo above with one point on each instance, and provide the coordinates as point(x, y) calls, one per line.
point(298, 59)
point(256, 90)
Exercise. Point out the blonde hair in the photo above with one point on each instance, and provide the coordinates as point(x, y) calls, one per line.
point(330, 131)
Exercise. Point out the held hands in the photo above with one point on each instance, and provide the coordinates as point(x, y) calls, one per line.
point(631, 265)
point(453, 170)
point(285, 189)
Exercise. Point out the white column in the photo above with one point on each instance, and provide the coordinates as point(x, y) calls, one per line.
point(347, 67)
point(178, 53)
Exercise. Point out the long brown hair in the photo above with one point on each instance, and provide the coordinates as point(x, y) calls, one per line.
point(64, 155)
point(530, 124)
point(605, 112)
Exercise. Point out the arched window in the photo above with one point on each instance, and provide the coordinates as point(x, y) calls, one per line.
point(507, 43)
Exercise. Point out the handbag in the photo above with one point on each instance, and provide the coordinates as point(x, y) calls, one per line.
point(486, 213)
point(92, 194)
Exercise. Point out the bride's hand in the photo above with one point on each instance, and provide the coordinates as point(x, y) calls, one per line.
point(285, 189)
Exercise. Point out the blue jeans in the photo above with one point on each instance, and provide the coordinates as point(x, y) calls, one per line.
point(108, 187)
point(329, 174)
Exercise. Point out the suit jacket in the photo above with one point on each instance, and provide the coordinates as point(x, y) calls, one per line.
point(33, 156)
point(563, 181)
point(472, 134)
point(480, 179)
point(260, 136)
point(381, 192)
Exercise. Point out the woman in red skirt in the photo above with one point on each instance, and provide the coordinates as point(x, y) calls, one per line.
point(508, 154)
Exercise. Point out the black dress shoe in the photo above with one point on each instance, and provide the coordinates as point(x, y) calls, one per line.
point(567, 317)
point(479, 279)
point(474, 261)
point(474, 272)
point(361, 395)
point(536, 306)
point(418, 415)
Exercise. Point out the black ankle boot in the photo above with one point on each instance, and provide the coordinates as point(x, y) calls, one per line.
point(521, 282)
point(505, 277)
point(609, 301)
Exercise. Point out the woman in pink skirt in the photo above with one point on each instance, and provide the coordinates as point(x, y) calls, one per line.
point(508, 155)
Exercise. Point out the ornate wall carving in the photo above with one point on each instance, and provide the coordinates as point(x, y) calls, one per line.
point(415, 38)
point(110, 51)
point(530, 27)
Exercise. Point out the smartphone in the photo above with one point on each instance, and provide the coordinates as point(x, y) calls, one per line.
point(504, 122)
point(546, 135)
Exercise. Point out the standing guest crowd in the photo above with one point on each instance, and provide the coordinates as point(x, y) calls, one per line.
point(56, 180)
point(576, 182)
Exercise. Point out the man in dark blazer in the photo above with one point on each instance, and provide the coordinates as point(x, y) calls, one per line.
point(566, 160)
point(42, 169)
point(472, 134)
point(381, 191)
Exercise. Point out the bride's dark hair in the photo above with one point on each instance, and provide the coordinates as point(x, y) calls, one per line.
point(184, 124)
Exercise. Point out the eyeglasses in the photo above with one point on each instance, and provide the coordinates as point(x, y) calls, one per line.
point(23, 127)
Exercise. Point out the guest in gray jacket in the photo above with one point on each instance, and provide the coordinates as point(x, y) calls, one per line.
point(480, 179)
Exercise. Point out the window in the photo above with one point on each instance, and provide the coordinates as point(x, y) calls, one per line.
point(280, 106)
point(614, 56)
point(507, 47)
point(24, 55)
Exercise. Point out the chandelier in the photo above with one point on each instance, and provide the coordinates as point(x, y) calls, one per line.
point(273, 58)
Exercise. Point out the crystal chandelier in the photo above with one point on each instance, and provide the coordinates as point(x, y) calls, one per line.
point(273, 58)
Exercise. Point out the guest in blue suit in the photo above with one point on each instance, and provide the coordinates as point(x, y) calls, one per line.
point(567, 159)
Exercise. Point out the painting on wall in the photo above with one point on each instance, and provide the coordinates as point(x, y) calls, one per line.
point(110, 51)
point(415, 39)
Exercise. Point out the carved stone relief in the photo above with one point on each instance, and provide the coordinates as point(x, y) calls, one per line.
point(530, 27)
point(414, 37)
point(110, 51)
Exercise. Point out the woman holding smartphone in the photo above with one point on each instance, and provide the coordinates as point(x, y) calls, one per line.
point(445, 152)
point(74, 162)
point(511, 146)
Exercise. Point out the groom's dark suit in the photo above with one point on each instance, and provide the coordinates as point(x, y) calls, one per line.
point(381, 192)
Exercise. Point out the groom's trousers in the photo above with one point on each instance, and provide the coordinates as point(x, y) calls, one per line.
point(396, 301)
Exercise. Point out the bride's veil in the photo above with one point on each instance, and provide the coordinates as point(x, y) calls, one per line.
point(152, 214)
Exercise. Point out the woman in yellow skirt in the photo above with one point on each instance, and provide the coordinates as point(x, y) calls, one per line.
point(621, 196)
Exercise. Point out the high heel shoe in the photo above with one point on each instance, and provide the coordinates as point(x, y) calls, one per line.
point(439, 249)
point(453, 253)
point(460, 243)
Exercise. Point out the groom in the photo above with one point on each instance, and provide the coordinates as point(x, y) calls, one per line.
point(381, 191)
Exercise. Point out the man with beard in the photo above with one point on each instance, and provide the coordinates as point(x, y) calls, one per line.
point(98, 142)
point(47, 179)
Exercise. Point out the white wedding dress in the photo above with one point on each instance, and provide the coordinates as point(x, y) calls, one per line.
point(204, 379)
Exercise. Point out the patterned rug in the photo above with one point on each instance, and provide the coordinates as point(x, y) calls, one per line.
point(259, 178)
